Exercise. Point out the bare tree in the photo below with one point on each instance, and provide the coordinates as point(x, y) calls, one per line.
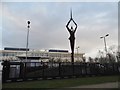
point(84, 59)
point(111, 58)
point(96, 59)
point(90, 59)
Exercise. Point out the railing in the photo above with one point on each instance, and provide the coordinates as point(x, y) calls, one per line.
point(20, 71)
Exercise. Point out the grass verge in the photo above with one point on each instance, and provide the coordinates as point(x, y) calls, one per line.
point(61, 83)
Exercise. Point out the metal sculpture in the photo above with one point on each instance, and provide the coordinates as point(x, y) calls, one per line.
point(72, 35)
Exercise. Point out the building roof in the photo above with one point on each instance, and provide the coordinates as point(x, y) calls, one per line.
point(16, 49)
point(32, 57)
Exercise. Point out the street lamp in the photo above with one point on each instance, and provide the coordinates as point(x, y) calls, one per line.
point(77, 48)
point(105, 41)
point(28, 22)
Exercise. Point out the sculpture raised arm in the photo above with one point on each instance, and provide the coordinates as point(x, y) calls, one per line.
point(75, 25)
point(71, 19)
point(68, 25)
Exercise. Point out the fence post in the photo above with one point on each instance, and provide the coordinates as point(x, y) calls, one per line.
point(73, 68)
point(21, 70)
point(24, 70)
point(5, 71)
point(113, 68)
point(85, 68)
point(43, 75)
point(59, 69)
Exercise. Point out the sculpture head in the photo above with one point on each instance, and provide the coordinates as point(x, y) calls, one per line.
point(71, 28)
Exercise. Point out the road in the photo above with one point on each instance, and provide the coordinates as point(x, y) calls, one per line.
point(0, 80)
point(104, 85)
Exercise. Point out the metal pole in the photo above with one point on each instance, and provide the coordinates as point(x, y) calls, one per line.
point(77, 52)
point(27, 39)
point(105, 41)
point(105, 45)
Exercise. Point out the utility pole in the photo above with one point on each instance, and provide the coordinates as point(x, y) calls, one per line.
point(27, 38)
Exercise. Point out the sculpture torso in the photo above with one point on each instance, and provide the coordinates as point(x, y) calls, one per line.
point(72, 35)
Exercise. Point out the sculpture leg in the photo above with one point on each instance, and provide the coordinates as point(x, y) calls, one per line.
point(72, 55)
point(72, 49)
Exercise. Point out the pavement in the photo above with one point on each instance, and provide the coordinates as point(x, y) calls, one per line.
point(103, 85)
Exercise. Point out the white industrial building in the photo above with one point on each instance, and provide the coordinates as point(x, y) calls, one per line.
point(44, 55)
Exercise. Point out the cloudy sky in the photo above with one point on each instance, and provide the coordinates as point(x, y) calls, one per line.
point(48, 21)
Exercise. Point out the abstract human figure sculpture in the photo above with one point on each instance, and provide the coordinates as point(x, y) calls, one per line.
point(72, 36)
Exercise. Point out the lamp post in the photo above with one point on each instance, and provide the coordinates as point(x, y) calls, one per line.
point(28, 22)
point(105, 42)
point(77, 48)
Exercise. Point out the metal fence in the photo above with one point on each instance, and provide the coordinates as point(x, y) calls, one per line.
point(21, 71)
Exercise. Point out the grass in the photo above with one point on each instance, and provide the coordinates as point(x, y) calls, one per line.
point(61, 83)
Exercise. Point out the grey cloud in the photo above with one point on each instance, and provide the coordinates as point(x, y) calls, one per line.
point(48, 22)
